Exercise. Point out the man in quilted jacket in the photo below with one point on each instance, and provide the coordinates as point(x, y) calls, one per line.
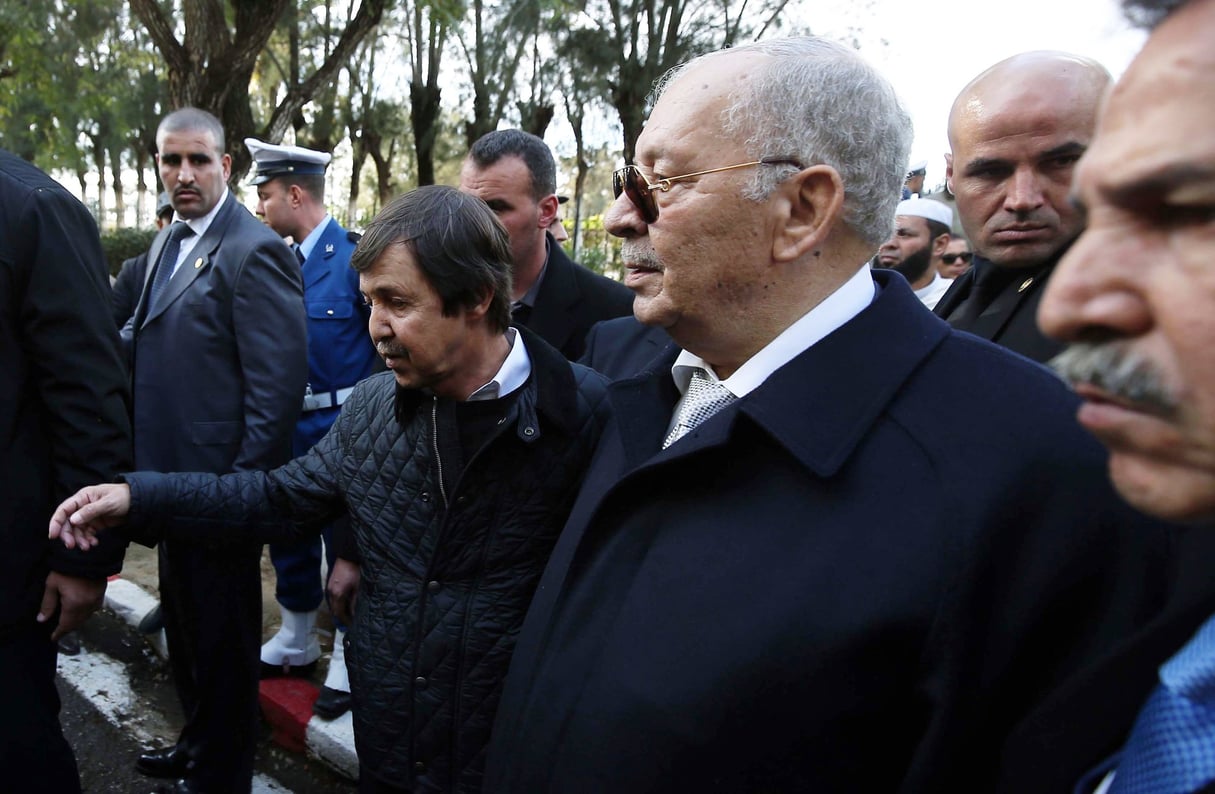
point(457, 469)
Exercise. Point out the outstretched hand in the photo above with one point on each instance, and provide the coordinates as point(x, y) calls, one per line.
point(81, 516)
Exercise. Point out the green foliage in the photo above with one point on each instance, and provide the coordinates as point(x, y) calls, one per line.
point(123, 244)
point(84, 83)
point(600, 251)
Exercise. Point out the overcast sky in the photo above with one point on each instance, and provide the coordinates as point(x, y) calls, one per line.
point(930, 49)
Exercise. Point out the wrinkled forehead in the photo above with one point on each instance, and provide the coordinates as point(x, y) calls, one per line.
point(1155, 132)
point(693, 105)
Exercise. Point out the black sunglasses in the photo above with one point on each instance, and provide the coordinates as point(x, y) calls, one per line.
point(630, 181)
point(949, 259)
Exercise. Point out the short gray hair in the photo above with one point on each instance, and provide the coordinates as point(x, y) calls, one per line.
point(819, 102)
point(190, 119)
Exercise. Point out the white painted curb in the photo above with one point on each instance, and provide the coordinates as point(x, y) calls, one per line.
point(330, 742)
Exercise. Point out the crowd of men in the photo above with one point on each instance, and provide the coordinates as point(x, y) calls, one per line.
point(711, 530)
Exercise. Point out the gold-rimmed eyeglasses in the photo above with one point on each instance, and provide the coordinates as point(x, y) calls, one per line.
point(630, 181)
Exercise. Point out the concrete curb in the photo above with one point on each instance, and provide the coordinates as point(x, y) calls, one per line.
point(286, 702)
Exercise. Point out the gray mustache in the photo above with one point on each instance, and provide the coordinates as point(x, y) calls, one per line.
point(388, 350)
point(639, 255)
point(1118, 372)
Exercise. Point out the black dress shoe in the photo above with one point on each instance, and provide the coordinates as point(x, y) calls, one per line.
point(152, 622)
point(288, 671)
point(331, 703)
point(167, 763)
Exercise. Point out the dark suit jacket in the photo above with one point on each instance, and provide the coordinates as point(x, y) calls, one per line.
point(220, 366)
point(63, 396)
point(622, 347)
point(829, 586)
point(1089, 717)
point(219, 370)
point(1011, 319)
point(571, 299)
point(127, 288)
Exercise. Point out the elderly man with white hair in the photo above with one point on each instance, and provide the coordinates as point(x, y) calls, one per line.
point(787, 569)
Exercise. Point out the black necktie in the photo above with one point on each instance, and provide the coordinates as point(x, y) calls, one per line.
point(299, 253)
point(168, 258)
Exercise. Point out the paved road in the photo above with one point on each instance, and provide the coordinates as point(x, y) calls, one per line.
point(118, 700)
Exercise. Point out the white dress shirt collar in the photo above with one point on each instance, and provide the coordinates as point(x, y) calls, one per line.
point(199, 227)
point(836, 309)
point(511, 375)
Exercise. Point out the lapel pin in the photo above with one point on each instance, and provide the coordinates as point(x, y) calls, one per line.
point(1025, 284)
point(198, 263)
point(329, 248)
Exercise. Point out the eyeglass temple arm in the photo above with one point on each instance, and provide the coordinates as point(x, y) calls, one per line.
point(665, 184)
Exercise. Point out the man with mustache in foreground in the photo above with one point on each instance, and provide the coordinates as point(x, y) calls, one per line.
point(1135, 298)
point(1015, 134)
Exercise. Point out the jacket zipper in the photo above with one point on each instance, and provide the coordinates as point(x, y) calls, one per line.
point(434, 439)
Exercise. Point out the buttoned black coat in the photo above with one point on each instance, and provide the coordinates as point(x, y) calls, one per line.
point(830, 586)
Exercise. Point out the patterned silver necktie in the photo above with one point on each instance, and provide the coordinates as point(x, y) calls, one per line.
point(704, 398)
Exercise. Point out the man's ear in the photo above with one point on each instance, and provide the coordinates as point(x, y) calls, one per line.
point(481, 307)
point(949, 172)
point(812, 206)
point(548, 211)
point(940, 244)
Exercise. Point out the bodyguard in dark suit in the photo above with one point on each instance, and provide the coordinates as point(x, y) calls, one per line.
point(63, 420)
point(1135, 300)
point(623, 347)
point(1015, 134)
point(219, 366)
point(787, 570)
point(515, 174)
point(290, 184)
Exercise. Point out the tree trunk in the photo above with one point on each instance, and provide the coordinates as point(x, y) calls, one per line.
point(120, 201)
point(99, 167)
point(383, 174)
point(424, 120)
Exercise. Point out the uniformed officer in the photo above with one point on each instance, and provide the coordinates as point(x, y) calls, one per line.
point(290, 183)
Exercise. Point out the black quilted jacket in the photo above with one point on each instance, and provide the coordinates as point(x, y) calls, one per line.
point(447, 573)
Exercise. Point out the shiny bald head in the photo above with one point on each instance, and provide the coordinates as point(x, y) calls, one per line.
point(1016, 132)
